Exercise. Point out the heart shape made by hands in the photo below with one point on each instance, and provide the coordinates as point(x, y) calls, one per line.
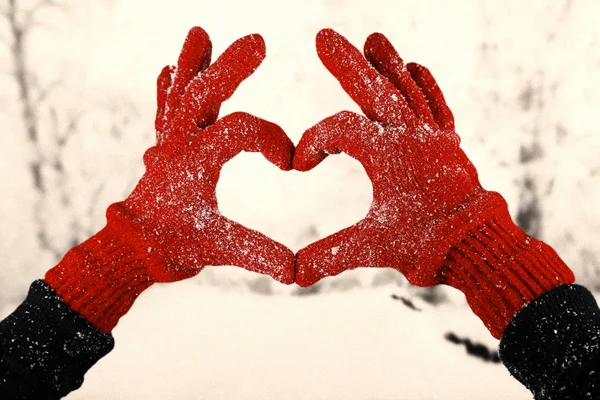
point(294, 208)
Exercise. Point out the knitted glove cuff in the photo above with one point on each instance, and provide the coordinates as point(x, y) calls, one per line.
point(101, 278)
point(501, 269)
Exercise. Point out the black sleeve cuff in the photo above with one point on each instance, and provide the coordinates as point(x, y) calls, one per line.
point(552, 346)
point(46, 348)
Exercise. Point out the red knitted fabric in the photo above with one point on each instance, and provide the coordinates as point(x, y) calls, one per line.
point(500, 269)
point(430, 218)
point(170, 226)
point(101, 278)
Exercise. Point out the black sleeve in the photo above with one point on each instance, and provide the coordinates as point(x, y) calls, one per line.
point(552, 346)
point(46, 348)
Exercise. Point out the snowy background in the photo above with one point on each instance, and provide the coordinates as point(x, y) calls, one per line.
point(77, 82)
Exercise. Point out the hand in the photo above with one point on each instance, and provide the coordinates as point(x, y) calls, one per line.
point(423, 183)
point(175, 204)
point(430, 218)
point(170, 227)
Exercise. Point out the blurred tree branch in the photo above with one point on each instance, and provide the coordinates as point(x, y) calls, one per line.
point(47, 141)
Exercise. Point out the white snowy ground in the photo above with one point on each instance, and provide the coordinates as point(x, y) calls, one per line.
point(206, 343)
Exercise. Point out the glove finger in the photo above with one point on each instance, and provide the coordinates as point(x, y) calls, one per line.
point(244, 132)
point(251, 250)
point(377, 97)
point(432, 92)
point(345, 131)
point(347, 249)
point(208, 91)
point(386, 60)
point(194, 58)
point(163, 83)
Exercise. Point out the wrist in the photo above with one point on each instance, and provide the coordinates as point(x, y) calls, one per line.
point(501, 269)
point(101, 278)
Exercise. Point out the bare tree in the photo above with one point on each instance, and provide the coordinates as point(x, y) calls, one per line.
point(48, 140)
point(529, 214)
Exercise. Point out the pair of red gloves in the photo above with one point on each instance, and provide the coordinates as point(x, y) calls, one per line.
point(430, 218)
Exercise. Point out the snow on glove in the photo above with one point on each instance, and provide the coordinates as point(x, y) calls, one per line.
point(430, 218)
point(169, 227)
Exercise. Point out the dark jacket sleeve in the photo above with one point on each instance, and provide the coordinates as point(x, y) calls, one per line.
point(46, 348)
point(552, 346)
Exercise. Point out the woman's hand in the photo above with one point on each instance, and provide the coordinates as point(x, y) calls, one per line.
point(169, 227)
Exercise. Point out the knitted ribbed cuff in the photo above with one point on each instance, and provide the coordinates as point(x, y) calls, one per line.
point(101, 278)
point(500, 269)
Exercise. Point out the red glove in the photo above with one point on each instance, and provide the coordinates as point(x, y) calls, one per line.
point(430, 218)
point(169, 228)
